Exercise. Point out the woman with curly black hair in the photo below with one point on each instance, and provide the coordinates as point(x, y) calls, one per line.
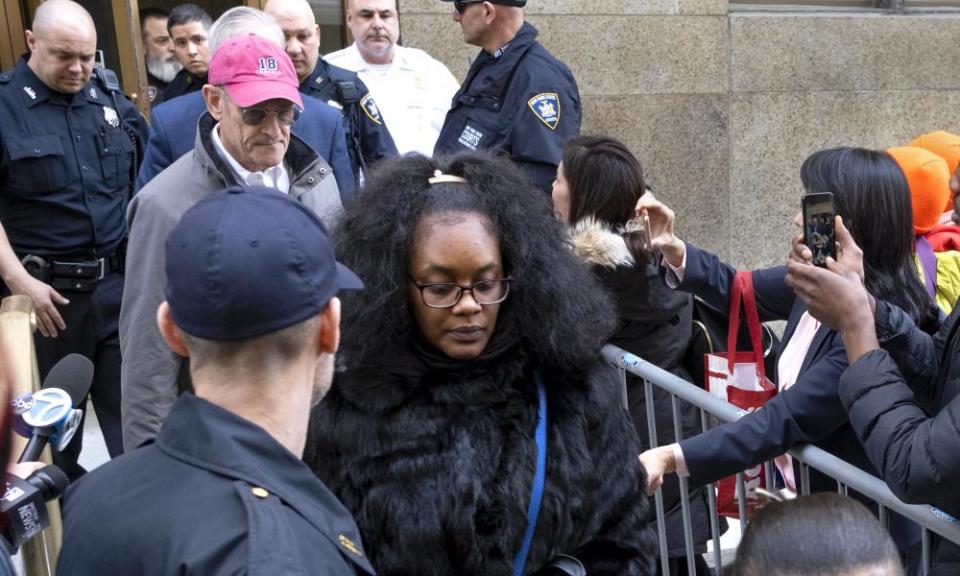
point(475, 428)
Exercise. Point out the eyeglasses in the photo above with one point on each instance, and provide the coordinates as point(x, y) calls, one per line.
point(447, 294)
point(254, 115)
point(461, 5)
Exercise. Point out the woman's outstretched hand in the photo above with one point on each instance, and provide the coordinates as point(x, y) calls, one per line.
point(658, 462)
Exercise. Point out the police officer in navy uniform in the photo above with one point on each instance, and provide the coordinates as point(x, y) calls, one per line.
point(188, 25)
point(68, 148)
point(159, 57)
point(223, 488)
point(516, 97)
point(368, 140)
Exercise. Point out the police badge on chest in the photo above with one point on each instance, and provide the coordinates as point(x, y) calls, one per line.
point(110, 115)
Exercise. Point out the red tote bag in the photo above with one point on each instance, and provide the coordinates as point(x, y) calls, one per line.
point(739, 377)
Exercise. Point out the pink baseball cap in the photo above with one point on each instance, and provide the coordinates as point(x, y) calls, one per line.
point(253, 70)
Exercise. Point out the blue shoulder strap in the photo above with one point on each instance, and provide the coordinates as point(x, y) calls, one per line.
point(536, 496)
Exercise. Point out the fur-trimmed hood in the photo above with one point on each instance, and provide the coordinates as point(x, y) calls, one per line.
point(597, 244)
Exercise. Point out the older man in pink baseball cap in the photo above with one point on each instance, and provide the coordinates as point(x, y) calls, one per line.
point(252, 70)
point(243, 139)
point(253, 90)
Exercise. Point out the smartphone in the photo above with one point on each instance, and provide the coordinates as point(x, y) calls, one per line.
point(636, 233)
point(818, 231)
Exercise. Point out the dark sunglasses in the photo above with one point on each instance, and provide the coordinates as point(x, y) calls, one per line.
point(461, 5)
point(254, 116)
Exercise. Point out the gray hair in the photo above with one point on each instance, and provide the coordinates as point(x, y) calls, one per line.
point(244, 20)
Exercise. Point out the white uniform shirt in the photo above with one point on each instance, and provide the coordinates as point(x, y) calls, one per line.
point(413, 93)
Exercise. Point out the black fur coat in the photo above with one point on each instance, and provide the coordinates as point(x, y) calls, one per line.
point(437, 465)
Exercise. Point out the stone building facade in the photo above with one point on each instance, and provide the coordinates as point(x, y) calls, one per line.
point(722, 103)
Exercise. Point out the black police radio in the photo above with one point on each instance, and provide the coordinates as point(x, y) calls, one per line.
point(107, 77)
point(349, 97)
point(347, 93)
point(109, 81)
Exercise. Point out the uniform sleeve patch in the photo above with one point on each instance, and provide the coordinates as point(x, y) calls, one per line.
point(371, 110)
point(546, 107)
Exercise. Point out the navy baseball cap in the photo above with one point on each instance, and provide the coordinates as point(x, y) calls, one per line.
point(245, 262)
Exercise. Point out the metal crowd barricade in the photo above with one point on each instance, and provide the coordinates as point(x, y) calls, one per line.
point(846, 475)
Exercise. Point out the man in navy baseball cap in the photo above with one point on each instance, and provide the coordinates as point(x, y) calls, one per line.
point(243, 263)
point(252, 301)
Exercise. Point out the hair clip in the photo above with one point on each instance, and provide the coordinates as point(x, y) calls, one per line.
point(441, 178)
point(781, 495)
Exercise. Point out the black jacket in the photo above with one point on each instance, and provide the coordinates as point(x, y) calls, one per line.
point(522, 101)
point(368, 140)
point(183, 83)
point(885, 393)
point(155, 88)
point(808, 412)
point(215, 494)
point(437, 466)
point(656, 324)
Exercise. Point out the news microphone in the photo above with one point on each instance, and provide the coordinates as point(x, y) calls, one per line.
point(73, 374)
point(24, 503)
point(52, 414)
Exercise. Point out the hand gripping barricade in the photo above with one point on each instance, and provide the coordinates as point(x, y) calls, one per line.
point(847, 476)
point(741, 379)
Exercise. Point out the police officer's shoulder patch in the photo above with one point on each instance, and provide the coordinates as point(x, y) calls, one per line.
point(371, 110)
point(546, 107)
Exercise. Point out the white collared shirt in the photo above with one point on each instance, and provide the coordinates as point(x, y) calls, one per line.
point(413, 93)
point(275, 177)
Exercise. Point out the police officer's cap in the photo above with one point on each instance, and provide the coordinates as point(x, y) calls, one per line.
point(246, 262)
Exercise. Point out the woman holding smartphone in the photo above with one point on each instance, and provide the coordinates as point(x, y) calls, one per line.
point(871, 195)
point(598, 184)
